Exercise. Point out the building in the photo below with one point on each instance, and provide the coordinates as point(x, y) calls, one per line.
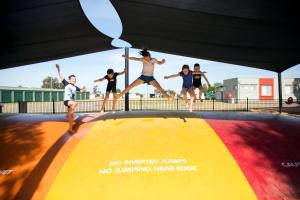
point(260, 88)
point(15, 94)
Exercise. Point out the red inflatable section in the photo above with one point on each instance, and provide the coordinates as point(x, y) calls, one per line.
point(268, 152)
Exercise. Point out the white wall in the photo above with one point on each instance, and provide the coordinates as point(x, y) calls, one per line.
point(294, 85)
point(248, 88)
point(243, 92)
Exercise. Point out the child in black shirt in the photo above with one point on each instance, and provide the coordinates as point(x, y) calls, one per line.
point(111, 77)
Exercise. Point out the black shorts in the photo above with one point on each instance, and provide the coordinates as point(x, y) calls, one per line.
point(111, 89)
point(66, 103)
point(197, 85)
point(147, 79)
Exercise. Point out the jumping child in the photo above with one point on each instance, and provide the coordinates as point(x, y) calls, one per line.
point(147, 73)
point(69, 96)
point(111, 77)
point(187, 86)
point(197, 80)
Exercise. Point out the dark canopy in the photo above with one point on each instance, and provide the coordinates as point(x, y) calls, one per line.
point(40, 30)
point(257, 33)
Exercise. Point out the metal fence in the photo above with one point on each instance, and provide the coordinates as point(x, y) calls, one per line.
point(155, 104)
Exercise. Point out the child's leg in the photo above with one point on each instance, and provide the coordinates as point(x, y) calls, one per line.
point(200, 92)
point(194, 88)
point(192, 97)
point(104, 101)
point(114, 102)
point(155, 84)
point(71, 109)
point(184, 93)
point(132, 85)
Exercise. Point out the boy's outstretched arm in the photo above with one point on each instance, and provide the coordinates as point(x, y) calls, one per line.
point(83, 89)
point(199, 72)
point(99, 80)
point(172, 76)
point(163, 61)
point(59, 72)
point(123, 72)
point(132, 58)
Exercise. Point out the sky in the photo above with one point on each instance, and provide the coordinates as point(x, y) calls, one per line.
point(93, 66)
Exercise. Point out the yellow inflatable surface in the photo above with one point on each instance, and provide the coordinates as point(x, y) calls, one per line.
point(150, 159)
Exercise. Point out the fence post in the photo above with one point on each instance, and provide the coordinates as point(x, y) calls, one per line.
point(247, 105)
point(22, 106)
point(177, 103)
point(19, 106)
point(53, 106)
point(213, 104)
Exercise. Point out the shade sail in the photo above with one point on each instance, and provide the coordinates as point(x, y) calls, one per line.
point(36, 31)
point(255, 33)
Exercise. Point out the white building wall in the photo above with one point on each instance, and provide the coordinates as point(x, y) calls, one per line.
point(276, 92)
point(248, 88)
point(291, 88)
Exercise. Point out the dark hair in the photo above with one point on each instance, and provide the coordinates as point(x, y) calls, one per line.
point(71, 76)
point(196, 65)
point(110, 71)
point(185, 67)
point(144, 53)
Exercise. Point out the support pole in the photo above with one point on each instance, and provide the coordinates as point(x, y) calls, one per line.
point(280, 92)
point(126, 78)
point(53, 106)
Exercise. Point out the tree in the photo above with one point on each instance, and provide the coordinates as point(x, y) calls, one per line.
point(139, 94)
point(214, 87)
point(171, 92)
point(53, 83)
point(218, 85)
point(157, 93)
point(204, 88)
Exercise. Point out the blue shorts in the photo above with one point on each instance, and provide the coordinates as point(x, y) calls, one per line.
point(147, 79)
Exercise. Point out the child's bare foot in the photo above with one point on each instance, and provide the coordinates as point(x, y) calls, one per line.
point(71, 131)
point(113, 112)
point(191, 109)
